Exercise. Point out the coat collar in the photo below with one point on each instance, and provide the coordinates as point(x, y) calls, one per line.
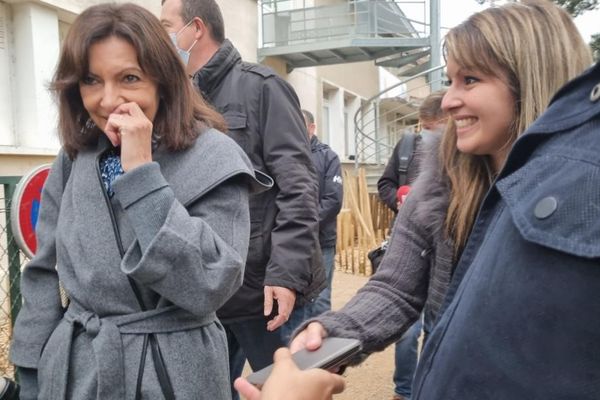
point(561, 114)
point(571, 106)
point(212, 159)
point(212, 74)
point(192, 173)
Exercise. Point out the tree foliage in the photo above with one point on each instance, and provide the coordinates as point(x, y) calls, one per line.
point(576, 7)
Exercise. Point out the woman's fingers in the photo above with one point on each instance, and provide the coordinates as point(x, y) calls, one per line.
point(246, 389)
point(129, 127)
point(112, 129)
point(328, 382)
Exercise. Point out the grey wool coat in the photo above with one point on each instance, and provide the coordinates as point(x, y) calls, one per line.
point(415, 272)
point(184, 226)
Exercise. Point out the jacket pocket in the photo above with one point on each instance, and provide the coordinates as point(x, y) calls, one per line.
point(235, 119)
point(237, 122)
point(555, 202)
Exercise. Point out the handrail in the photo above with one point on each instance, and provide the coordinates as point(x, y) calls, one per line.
point(371, 105)
point(420, 74)
point(361, 18)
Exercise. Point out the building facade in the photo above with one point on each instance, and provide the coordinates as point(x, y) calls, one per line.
point(31, 33)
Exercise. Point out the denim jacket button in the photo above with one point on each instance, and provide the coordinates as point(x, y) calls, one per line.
point(545, 207)
point(595, 94)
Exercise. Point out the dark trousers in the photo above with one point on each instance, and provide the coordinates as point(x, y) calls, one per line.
point(250, 340)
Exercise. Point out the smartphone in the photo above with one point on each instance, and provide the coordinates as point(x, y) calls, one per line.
point(334, 352)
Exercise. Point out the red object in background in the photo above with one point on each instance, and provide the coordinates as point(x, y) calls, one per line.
point(25, 207)
point(402, 192)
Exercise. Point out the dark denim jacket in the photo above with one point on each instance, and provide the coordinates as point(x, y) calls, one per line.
point(522, 316)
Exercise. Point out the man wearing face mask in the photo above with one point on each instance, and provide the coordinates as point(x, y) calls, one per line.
point(284, 265)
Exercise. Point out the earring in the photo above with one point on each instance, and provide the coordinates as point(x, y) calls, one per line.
point(87, 127)
point(155, 140)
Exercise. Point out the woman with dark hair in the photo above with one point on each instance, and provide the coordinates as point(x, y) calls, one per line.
point(144, 221)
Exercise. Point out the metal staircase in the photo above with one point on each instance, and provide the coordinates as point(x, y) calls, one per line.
point(382, 119)
point(307, 33)
point(343, 31)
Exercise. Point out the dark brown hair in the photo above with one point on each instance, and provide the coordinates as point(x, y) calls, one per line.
point(182, 113)
point(431, 107)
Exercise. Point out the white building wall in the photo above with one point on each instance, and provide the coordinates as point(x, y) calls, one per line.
point(335, 97)
point(241, 25)
point(306, 83)
point(6, 115)
point(36, 54)
point(351, 105)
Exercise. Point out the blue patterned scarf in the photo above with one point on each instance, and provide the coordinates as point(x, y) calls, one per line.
point(110, 169)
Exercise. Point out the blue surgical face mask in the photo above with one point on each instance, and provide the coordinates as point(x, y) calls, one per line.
point(184, 54)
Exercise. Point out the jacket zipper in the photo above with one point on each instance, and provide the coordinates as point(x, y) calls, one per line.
point(111, 212)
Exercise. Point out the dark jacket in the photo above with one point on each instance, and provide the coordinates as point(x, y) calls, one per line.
point(521, 320)
point(331, 193)
point(263, 116)
point(414, 273)
point(388, 184)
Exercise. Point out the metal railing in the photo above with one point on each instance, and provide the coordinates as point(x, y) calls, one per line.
point(282, 26)
point(382, 119)
point(11, 262)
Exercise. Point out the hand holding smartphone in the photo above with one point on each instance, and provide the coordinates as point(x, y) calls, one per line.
point(334, 352)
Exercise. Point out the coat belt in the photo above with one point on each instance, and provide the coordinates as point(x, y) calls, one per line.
point(108, 346)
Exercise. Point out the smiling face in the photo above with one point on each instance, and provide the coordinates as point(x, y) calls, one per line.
point(115, 77)
point(482, 108)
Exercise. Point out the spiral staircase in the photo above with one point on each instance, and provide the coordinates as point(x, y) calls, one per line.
point(382, 120)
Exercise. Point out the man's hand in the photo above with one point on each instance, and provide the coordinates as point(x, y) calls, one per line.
point(288, 382)
point(285, 304)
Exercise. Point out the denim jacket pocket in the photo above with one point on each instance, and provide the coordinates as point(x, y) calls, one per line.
point(555, 202)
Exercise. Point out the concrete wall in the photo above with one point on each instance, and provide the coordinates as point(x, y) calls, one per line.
point(361, 78)
point(241, 25)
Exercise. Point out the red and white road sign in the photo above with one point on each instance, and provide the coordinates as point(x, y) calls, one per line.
point(25, 208)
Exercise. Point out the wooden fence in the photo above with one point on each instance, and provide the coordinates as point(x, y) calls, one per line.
point(362, 224)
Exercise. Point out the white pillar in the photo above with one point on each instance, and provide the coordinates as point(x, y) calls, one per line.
point(7, 136)
point(36, 54)
point(336, 121)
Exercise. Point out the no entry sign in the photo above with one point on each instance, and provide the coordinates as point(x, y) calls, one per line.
point(25, 208)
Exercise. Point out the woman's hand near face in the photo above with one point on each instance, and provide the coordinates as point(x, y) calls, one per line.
point(288, 382)
point(128, 127)
point(310, 338)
